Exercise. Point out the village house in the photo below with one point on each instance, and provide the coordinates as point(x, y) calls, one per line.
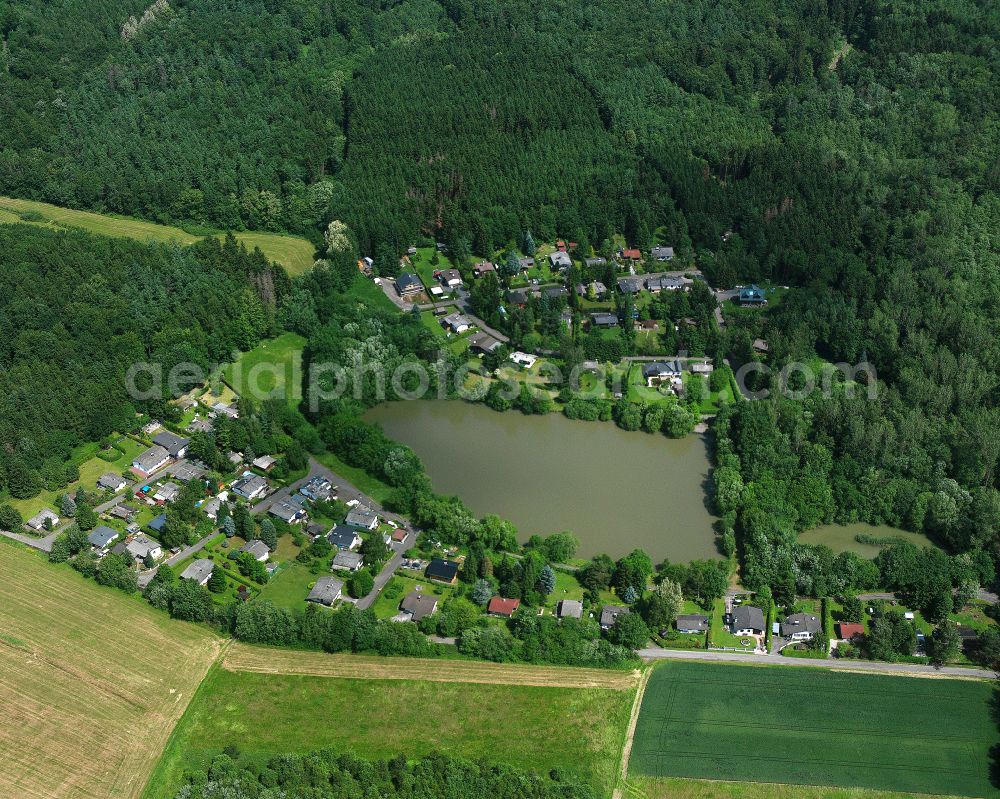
point(760, 346)
point(158, 523)
point(318, 489)
point(597, 260)
point(523, 359)
point(800, 627)
point(456, 323)
point(483, 343)
point(848, 631)
point(347, 560)
point(604, 320)
point(100, 537)
point(451, 278)
point(417, 605)
point(199, 571)
point(569, 609)
point(362, 517)
point(151, 460)
point(344, 537)
point(200, 426)
point(610, 615)
point(703, 369)
point(186, 472)
point(139, 547)
point(595, 286)
point(222, 409)
point(112, 482)
point(629, 285)
point(212, 507)
point(250, 486)
point(555, 292)
point(662, 253)
point(482, 268)
point(752, 296)
point(173, 444)
point(504, 608)
point(124, 512)
point(258, 550)
point(646, 325)
point(665, 283)
point(747, 620)
point(326, 591)
point(265, 463)
point(560, 260)
point(631, 254)
point(442, 571)
point(288, 510)
point(167, 492)
point(408, 285)
point(151, 427)
point(691, 623)
point(526, 263)
point(659, 372)
point(43, 519)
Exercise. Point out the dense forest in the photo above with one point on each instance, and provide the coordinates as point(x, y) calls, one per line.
point(76, 311)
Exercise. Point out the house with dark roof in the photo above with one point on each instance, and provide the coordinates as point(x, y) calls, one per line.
point(157, 523)
point(610, 615)
point(173, 444)
point(250, 486)
point(662, 253)
point(629, 285)
point(288, 511)
point(451, 278)
point(199, 571)
point(597, 260)
point(560, 260)
point(122, 511)
point(747, 620)
point(442, 571)
point(752, 295)
point(555, 292)
point(318, 488)
point(665, 283)
point(482, 268)
point(186, 472)
point(101, 537)
point(408, 284)
point(604, 320)
point(344, 537)
point(801, 627)
point(483, 343)
point(505, 608)
point(657, 373)
point(362, 517)
point(326, 591)
point(691, 623)
point(599, 289)
point(569, 609)
point(418, 605)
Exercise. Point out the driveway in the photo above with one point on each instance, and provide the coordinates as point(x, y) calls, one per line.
point(173, 560)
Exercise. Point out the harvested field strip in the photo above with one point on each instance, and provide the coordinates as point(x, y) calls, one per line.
point(91, 682)
point(263, 660)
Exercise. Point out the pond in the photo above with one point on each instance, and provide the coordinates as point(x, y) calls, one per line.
point(840, 537)
point(615, 490)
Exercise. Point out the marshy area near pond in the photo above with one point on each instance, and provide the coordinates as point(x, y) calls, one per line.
point(615, 490)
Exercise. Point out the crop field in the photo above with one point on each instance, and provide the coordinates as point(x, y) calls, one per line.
point(292, 252)
point(679, 788)
point(266, 712)
point(816, 727)
point(91, 682)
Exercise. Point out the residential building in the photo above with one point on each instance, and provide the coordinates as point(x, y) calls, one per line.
point(451, 278)
point(569, 609)
point(257, 549)
point(151, 460)
point(747, 620)
point(801, 627)
point(43, 519)
point(629, 285)
point(691, 623)
point(662, 253)
point(250, 486)
point(200, 426)
point(483, 343)
point(760, 345)
point(555, 292)
point(659, 372)
point(482, 268)
point(665, 283)
point(597, 260)
point(848, 631)
point(752, 295)
point(442, 571)
point(173, 444)
point(610, 615)
point(560, 260)
point(122, 511)
point(112, 482)
point(158, 523)
point(505, 608)
point(101, 537)
point(186, 472)
point(318, 488)
point(631, 254)
point(199, 571)
point(344, 537)
point(347, 560)
point(704, 369)
point(646, 325)
point(167, 492)
point(604, 320)
point(362, 517)
point(417, 605)
point(523, 359)
point(526, 263)
point(265, 463)
point(408, 285)
point(222, 409)
point(456, 323)
point(288, 511)
point(598, 288)
point(141, 546)
point(326, 591)
point(211, 508)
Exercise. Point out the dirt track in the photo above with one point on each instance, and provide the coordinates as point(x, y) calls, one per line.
point(262, 660)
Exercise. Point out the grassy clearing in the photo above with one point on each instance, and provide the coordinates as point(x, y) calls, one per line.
point(91, 681)
point(289, 587)
point(814, 727)
point(359, 478)
point(293, 253)
point(271, 369)
point(537, 728)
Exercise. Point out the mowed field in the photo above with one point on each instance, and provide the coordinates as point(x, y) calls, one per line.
point(813, 727)
point(293, 253)
point(465, 709)
point(272, 369)
point(91, 682)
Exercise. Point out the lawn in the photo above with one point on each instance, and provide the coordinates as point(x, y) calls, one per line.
point(537, 728)
point(814, 727)
point(289, 587)
point(271, 369)
point(91, 681)
point(293, 253)
point(387, 604)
